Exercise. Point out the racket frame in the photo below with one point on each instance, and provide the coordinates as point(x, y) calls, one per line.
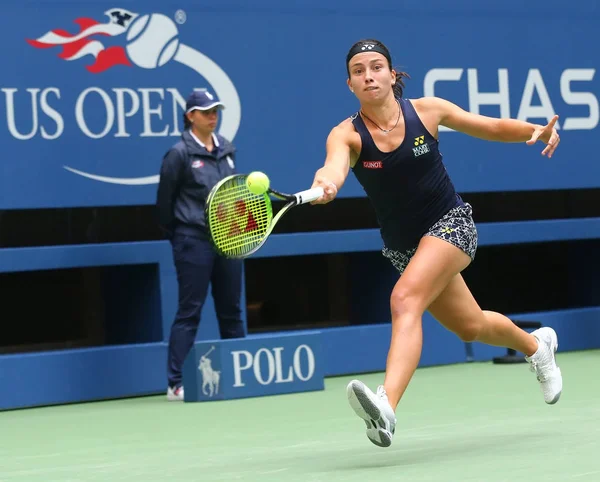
point(293, 200)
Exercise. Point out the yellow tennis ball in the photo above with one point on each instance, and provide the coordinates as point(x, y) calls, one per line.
point(257, 182)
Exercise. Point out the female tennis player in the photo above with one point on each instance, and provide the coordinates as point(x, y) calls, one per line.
point(391, 145)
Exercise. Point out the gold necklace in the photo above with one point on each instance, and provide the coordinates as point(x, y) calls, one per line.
point(385, 131)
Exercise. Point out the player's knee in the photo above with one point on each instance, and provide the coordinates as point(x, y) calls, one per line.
point(404, 300)
point(469, 331)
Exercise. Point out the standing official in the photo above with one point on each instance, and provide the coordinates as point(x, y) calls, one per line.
point(189, 171)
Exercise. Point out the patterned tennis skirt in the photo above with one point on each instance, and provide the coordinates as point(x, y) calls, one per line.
point(456, 227)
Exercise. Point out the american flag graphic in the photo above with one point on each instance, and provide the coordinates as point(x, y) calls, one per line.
point(85, 42)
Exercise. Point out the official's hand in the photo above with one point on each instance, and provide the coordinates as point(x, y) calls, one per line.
point(329, 188)
point(548, 135)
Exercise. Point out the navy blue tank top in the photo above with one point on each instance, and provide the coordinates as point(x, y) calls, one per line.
point(409, 187)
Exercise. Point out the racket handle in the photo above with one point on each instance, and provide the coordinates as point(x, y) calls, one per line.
point(309, 195)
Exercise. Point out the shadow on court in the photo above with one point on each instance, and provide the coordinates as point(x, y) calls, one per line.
point(407, 452)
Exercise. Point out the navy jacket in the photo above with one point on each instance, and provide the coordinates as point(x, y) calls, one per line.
point(187, 175)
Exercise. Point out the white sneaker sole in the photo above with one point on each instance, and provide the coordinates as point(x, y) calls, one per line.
point(554, 347)
point(557, 397)
point(366, 409)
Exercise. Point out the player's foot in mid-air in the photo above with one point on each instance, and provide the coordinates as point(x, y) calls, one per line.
point(543, 364)
point(375, 410)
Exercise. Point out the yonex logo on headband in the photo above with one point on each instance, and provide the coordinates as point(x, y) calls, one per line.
point(367, 46)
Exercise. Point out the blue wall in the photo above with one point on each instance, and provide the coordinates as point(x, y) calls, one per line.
point(280, 69)
point(75, 135)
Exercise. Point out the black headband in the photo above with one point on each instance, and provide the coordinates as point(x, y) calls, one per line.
point(368, 47)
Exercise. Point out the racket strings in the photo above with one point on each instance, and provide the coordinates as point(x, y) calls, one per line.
point(239, 219)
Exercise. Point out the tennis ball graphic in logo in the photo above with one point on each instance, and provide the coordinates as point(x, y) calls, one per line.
point(152, 40)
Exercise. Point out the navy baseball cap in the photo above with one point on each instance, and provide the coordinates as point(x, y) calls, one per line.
point(202, 100)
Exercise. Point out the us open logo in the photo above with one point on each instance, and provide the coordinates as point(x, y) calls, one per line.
point(149, 41)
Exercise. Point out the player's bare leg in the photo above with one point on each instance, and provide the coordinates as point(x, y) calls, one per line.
point(431, 268)
point(458, 311)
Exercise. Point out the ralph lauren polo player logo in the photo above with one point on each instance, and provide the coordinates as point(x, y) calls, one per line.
point(420, 146)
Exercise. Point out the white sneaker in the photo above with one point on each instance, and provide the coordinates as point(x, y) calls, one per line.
point(175, 394)
point(543, 364)
point(375, 410)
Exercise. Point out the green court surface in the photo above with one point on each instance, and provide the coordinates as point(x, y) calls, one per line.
point(471, 422)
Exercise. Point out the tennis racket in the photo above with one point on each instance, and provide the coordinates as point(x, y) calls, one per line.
point(239, 221)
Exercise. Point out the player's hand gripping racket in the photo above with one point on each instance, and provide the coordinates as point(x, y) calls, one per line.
point(239, 222)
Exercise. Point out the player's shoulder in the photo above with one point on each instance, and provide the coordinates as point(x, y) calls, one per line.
point(344, 129)
point(432, 108)
point(431, 103)
point(426, 101)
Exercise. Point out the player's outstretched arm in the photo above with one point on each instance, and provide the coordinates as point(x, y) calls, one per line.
point(332, 175)
point(493, 129)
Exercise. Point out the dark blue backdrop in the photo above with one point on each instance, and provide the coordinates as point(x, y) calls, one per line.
point(279, 66)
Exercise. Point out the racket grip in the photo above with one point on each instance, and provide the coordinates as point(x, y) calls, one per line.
point(309, 195)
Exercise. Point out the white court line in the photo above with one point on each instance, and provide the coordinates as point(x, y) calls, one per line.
point(68, 468)
point(586, 473)
point(36, 456)
point(158, 447)
point(272, 471)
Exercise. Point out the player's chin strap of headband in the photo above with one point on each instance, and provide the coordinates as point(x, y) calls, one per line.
point(367, 47)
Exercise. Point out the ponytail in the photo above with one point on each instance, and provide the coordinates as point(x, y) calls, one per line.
point(399, 85)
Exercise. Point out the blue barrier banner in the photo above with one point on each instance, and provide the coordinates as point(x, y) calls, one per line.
point(254, 366)
point(93, 92)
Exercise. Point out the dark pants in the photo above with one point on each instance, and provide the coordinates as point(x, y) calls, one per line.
point(197, 266)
